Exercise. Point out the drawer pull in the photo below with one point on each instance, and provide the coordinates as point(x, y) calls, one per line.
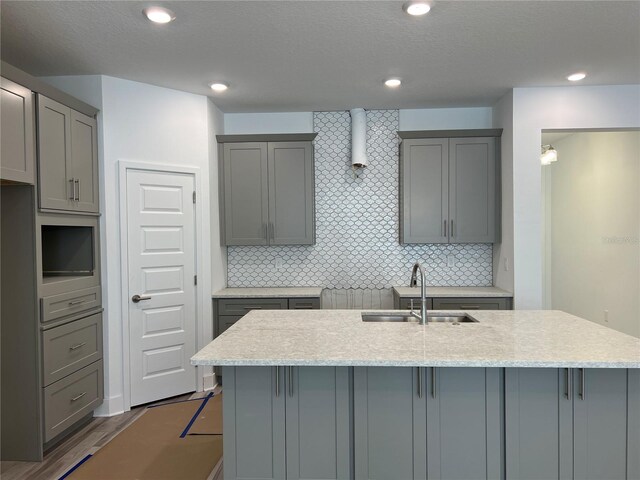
point(253, 308)
point(76, 302)
point(470, 307)
point(75, 399)
point(80, 345)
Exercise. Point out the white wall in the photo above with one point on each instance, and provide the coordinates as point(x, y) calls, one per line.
point(280, 122)
point(535, 109)
point(218, 250)
point(594, 228)
point(144, 123)
point(446, 118)
point(503, 251)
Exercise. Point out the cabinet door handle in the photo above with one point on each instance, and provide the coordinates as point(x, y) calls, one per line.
point(277, 381)
point(420, 382)
point(265, 231)
point(77, 194)
point(290, 380)
point(583, 392)
point(433, 382)
point(445, 228)
point(567, 383)
point(75, 347)
point(78, 397)
point(72, 184)
point(75, 302)
point(273, 233)
point(452, 234)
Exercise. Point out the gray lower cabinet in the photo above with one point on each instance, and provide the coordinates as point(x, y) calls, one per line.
point(267, 192)
point(67, 158)
point(572, 423)
point(287, 422)
point(448, 189)
point(436, 423)
point(459, 303)
point(17, 140)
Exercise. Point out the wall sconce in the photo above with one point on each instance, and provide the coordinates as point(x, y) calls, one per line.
point(548, 155)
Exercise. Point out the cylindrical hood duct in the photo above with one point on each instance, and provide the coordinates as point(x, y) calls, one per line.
point(358, 138)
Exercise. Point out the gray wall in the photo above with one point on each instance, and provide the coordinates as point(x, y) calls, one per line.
point(357, 224)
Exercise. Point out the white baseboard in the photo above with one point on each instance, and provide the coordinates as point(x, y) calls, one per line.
point(209, 382)
point(111, 406)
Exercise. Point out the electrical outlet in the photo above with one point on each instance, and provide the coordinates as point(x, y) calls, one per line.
point(606, 316)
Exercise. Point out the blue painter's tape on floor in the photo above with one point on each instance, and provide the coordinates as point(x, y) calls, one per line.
point(195, 416)
point(75, 467)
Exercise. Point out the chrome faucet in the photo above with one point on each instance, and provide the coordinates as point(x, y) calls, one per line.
point(423, 293)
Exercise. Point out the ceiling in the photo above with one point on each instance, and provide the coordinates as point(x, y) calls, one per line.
point(330, 55)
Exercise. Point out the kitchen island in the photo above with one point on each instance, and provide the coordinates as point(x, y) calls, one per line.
point(519, 394)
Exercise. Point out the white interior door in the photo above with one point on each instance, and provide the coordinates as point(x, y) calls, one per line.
point(162, 292)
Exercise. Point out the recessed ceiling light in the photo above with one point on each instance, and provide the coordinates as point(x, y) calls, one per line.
point(575, 77)
point(219, 87)
point(159, 14)
point(416, 8)
point(393, 82)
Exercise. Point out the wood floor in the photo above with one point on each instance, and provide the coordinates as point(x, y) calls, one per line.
point(85, 441)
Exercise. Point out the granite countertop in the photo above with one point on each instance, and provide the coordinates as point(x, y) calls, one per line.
point(412, 292)
point(505, 338)
point(271, 292)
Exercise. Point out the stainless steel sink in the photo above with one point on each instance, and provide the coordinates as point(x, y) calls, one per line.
point(407, 318)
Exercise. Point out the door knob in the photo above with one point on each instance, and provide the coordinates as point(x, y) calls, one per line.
point(138, 298)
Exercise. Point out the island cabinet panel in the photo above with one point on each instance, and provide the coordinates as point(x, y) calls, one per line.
point(571, 423)
point(318, 423)
point(464, 423)
point(254, 428)
point(390, 423)
point(435, 423)
point(600, 424)
point(287, 423)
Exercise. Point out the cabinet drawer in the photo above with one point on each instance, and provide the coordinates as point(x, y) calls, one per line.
point(70, 347)
point(57, 306)
point(225, 321)
point(242, 306)
point(405, 303)
point(304, 303)
point(70, 399)
point(471, 304)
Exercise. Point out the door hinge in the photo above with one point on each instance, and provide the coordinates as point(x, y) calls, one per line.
point(194, 197)
point(195, 279)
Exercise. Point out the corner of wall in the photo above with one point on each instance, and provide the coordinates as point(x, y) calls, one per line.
point(218, 251)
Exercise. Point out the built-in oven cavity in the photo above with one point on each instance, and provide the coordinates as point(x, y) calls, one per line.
point(67, 250)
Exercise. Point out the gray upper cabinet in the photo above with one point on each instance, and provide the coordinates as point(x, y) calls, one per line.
point(17, 134)
point(472, 190)
point(571, 423)
point(268, 194)
point(67, 158)
point(424, 168)
point(246, 193)
point(291, 193)
point(448, 190)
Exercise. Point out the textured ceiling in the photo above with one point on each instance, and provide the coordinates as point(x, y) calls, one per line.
point(330, 55)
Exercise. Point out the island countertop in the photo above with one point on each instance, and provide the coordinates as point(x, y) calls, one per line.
point(505, 338)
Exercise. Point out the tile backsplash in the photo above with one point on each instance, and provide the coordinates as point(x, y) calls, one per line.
point(357, 224)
